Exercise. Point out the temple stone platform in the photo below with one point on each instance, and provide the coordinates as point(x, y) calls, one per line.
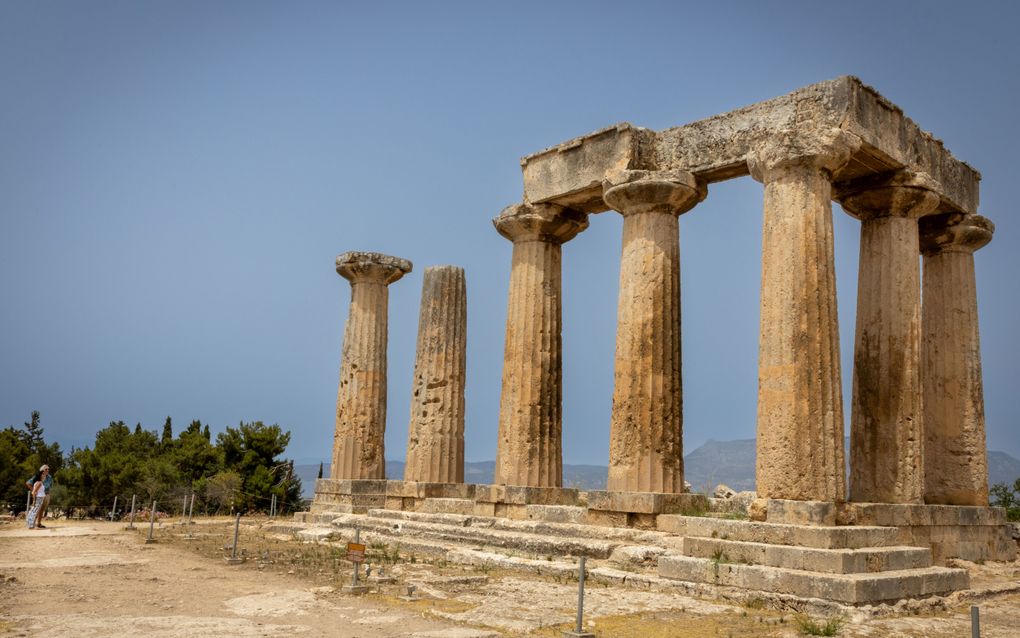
point(555, 504)
point(788, 563)
point(852, 554)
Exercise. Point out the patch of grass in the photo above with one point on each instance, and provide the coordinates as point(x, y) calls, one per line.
point(672, 624)
point(809, 627)
point(426, 605)
point(755, 603)
point(734, 516)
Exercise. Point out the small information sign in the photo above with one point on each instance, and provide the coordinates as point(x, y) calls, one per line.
point(356, 552)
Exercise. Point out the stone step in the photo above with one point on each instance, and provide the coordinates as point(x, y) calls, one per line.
point(833, 561)
point(515, 540)
point(318, 518)
point(855, 589)
point(819, 536)
point(541, 526)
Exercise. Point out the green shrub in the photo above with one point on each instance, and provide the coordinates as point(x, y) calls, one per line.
point(1002, 495)
point(809, 627)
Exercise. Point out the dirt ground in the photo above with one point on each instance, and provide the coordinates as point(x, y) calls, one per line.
point(88, 579)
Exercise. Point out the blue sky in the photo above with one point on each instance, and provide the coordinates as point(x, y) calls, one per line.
point(177, 178)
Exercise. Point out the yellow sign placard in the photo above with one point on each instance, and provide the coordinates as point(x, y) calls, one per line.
point(356, 552)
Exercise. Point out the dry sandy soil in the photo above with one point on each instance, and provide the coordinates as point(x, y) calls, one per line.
point(88, 579)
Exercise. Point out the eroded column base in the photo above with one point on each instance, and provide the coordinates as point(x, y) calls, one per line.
point(414, 496)
point(348, 496)
point(517, 501)
point(788, 512)
point(640, 509)
point(972, 533)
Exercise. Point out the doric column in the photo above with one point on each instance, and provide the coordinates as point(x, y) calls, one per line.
point(800, 403)
point(646, 431)
point(956, 464)
point(435, 437)
point(530, 419)
point(361, 398)
point(886, 422)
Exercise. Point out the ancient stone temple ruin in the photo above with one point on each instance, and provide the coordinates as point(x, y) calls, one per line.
point(917, 493)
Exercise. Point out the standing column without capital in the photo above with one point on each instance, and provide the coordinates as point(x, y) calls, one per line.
point(646, 431)
point(886, 424)
point(956, 463)
point(435, 439)
point(361, 398)
point(800, 404)
point(530, 449)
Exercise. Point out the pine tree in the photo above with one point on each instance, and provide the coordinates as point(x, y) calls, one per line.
point(168, 432)
point(320, 469)
point(35, 432)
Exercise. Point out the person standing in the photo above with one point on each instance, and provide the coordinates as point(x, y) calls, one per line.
point(39, 493)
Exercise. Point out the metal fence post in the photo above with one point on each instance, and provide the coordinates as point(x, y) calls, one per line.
point(113, 514)
point(975, 622)
point(152, 521)
point(131, 525)
point(191, 510)
point(579, 631)
point(234, 560)
point(357, 566)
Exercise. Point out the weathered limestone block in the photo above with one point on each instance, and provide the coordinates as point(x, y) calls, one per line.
point(956, 464)
point(572, 172)
point(646, 502)
point(800, 405)
point(646, 431)
point(530, 409)
point(525, 495)
point(361, 397)
point(802, 512)
point(887, 432)
point(435, 438)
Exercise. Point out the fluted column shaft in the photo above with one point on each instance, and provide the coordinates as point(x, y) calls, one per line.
point(956, 464)
point(646, 431)
point(886, 431)
point(800, 404)
point(530, 413)
point(435, 445)
point(358, 445)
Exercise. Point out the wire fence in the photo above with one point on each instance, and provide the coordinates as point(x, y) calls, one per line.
point(177, 503)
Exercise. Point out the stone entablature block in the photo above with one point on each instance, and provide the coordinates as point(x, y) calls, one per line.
point(718, 148)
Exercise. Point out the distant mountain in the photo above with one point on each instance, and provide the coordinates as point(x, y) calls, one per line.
point(715, 462)
point(1002, 468)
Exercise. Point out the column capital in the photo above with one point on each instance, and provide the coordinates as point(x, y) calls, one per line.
point(363, 267)
point(899, 194)
point(633, 191)
point(821, 151)
point(540, 222)
point(954, 233)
